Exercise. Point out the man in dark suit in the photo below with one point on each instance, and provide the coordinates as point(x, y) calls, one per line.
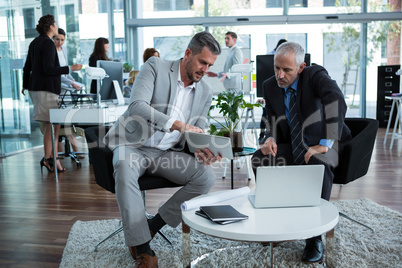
point(305, 114)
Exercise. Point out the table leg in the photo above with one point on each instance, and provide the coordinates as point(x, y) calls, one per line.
point(389, 121)
point(394, 134)
point(272, 254)
point(186, 245)
point(54, 152)
point(329, 247)
point(231, 171)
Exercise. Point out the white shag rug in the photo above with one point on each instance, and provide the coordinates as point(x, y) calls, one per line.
point(355, 245)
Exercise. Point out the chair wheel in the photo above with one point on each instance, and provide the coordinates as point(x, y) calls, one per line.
point(79, 164)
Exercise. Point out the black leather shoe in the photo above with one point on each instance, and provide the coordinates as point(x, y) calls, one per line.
point(313, 252)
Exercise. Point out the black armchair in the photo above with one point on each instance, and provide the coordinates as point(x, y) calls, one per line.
point(101, 159)
point(355, 158)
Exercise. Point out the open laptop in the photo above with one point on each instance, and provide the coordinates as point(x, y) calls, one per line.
point(288, 186)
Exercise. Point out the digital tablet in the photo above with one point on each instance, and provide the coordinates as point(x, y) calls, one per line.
point(216, 144)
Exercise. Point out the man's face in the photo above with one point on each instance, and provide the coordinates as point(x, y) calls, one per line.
point(286, 69)
point(198, 65)
point(230, 41)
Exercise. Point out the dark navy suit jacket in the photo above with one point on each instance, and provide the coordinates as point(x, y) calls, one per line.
point(42, 68)
point(321, 108)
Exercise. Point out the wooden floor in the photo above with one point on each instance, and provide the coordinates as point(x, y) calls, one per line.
point(36, 212)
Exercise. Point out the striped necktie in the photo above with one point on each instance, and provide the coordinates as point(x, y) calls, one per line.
point(295, 130)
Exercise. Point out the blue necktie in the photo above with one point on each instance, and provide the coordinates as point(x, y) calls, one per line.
point(295, 130)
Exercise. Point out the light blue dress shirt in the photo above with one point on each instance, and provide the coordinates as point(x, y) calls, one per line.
point(325, 142)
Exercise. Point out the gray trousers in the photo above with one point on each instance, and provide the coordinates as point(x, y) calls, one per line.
point(181, 168)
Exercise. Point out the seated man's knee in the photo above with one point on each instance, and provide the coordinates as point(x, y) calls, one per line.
point(205, 178)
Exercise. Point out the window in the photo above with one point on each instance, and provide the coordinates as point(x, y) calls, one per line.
point(71, 23)
point(272, 40)
point(29, 22)
point(292, 3)
point(274, 3)
point(102, 6)
point(384, 49)
point(171, 5)
point(329, 3)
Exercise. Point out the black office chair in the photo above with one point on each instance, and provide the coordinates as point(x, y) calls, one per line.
point(101, 157)
point(355, 158)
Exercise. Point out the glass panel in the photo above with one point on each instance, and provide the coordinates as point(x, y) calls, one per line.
point(324, 42)
point(172, 8)
point(302, 7)
point(386, 35)
point(342, 60)
point(244, 8)
point(18, 21)
point(171, 42)
point(384, 6)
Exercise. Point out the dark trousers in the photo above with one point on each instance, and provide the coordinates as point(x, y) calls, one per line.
point(284, 157)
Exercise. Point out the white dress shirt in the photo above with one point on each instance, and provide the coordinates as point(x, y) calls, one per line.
point(180, 111)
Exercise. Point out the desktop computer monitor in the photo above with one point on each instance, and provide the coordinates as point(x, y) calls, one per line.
point(115, 72)
point(265, 69)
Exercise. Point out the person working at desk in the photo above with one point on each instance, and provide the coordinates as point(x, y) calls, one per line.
point(150, 52)
point(41, 76)
point(305, 115)
point(168, 98)
point(100, 49)
point(235, 56)
point(129, 83)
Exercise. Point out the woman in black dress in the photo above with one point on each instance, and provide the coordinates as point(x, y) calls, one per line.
point(99, 53)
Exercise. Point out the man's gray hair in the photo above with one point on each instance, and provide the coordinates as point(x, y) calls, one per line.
point(291, 47)
point(204, 39)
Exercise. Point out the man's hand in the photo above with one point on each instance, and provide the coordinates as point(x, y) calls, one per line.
point(269, 147)
point(212, 74)
point(207, 157)
point(316, 149)
point(180, 126)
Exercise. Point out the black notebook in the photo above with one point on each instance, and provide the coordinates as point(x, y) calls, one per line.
point(202, 214)
point(222, 213)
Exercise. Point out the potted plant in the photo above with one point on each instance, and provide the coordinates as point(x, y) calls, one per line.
point(231, 107)
point(127, 67)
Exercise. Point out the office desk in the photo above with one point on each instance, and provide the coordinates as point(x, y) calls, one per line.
point(85, 115)
point(396, 134)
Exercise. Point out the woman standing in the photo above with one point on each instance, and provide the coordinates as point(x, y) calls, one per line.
point(42, 78)
point(66, 79)
point(59, 40)
point(100, 49)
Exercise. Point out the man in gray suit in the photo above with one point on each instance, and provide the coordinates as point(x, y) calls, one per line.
point(168, 98)
point(235, 56)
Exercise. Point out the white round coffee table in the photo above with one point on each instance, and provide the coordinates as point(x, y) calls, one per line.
point(264, 225)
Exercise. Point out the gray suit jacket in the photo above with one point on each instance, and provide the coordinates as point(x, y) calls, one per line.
point(235, 56)
point(151, 100)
